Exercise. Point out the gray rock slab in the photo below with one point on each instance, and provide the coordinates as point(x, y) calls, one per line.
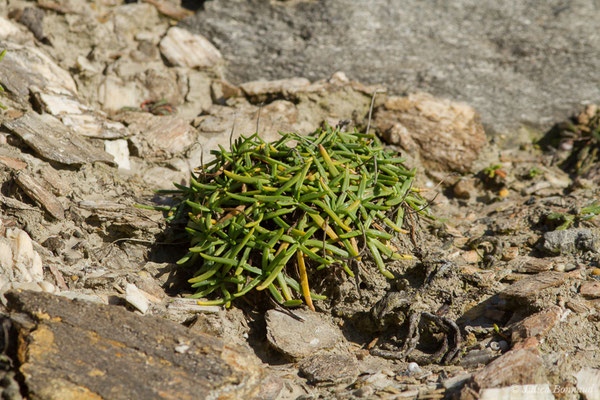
point(81, 350)
point(300, 338)
point(49, 138)
point(525, 62)
point(570, 241)
point(330, 369)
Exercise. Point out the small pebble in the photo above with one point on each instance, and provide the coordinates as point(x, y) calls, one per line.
point(501, 345)
point(595, 272)
point(559, 267)
point(570, 267)
point(47, 287)
point(182, 348)
point(413, 368)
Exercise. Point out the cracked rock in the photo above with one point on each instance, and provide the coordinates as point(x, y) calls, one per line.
point(570, 241)
point(77, 349)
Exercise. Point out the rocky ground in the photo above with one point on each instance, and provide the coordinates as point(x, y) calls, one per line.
point(107, 102)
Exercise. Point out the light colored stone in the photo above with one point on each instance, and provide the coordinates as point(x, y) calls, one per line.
point(198, 95)
point(119, 149)
point(447, 135)
point(37, 267)
point(258, 88)
point(136, 298)
point(83, 64)
point(25, 67)
point(23, 250)
point(6, 256)
point(185, 49)
point(21, 267)
point(588, 383)
point(57, 103)
point(74, 114)
point(7, 28)
point(160, 136)
point(114, 94)
point(47, 287)
point(296, 338)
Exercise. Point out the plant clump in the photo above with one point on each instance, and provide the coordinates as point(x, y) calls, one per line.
point(262, 213)
point(580, 138)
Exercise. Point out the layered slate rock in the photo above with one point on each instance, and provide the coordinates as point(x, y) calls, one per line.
point(50, 139)
point(77, 349)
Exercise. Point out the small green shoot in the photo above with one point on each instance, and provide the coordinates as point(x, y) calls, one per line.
point(566, 220)
point(533, 172)
point(494, 170)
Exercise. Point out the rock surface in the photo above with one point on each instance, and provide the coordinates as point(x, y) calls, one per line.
point(525, 63)
point(54, 142)
point(517, 367)
point(84, 79)
point(76, 349)
point(330, 369)
point(184, 49)
point(300, 338)
point(446, 135)
point(571, 240)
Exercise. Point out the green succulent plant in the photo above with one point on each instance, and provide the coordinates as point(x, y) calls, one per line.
point(258, 210)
